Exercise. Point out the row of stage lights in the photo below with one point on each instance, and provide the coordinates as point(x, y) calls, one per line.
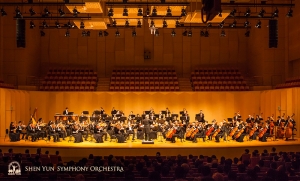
point(187, 33)
point(261, 14)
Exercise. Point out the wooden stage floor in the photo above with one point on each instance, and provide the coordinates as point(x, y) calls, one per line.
point(75, 151)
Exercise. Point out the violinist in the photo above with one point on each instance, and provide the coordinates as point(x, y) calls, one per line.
point(130, 129)
point(60, 130)
point(76, 133)
point(31, 131)
point(258, 119)
point(66, 111)
point(102, 110)
point(235, 118)
point(98, 133)
point(152, 117)
point(250, 120)
point(53, 133)
point(13, 135)
point(222, 132)
point(20, 129)
point(199, 132)
point(39, 131)
point(161, 116)
point(131, 116)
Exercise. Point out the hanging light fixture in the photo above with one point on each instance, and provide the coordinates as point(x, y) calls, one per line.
point(183, 12)
point(61, 12)
point(32, 12)
point(290, 13)
point(232, 13)
point(139, 24)
point(275, 13)
point(45, 25)
point(154, 12)
point(165, 25)
point(75, 12)
point(140, 12)
point(31, 25)
point(3, 12)
point(46, 12)
point(169, 11)
point(125, 12)
point(261, 13)
point(127, 23)
point(57, 25)
point(67, 34)
point(258, 24)
point(111, 12)
point(18, 13)
point(82, 25)
point(173, 33)
point(117, 34)
point(246, 23)
point(248, 12)
point(133, 34)
point(223, 34)
point(233, 25)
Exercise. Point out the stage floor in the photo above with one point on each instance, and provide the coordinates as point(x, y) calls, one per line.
point(71, 151)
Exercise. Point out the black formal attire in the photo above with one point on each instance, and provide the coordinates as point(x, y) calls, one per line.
point(130, 130)
point(256, 133)
point(83, 132)
point(31, 132)
point(40, 132)
point(201, 118)
point(241, 137)
point(222, 133)
point(13, 136)
point(146, 130)
point(19, 130)
point(176, 134)
point(77, 135)
point(65, 112)
point(199, 134)
point(61, 133)
point(53, 133)
point(98, 135)
point(264, 137)
point(215, 128)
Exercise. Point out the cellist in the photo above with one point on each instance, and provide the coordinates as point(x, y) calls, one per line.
point(266, 133)
point(200, 132)
point(222, 132)
point(255, 131)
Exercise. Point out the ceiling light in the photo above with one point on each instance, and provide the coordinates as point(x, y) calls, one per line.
point(173, 33)
point(46, 12)
point(3, 12)
point(75, 12)
point(184, 33)
point(86, 33)
point(233, 25)
point(178, 23)
point(248, 12)
point(139, 24)
point(82, 25)
point(100, 34)
point(165, 25)
point(57, 24)
point(125, 12)
point(206, 34)
point(133, 33)
point(111, 12)
point(246, 23)
point(261, 13)
point(32, 12)
point(70, 25)
point(223, 34)
point(247, 34)
point(42, 33)
point(221, 25)
point(117, 34)
point(18, 13)
point(154, 12)
point(156, 32)
point(61, 12)
point(127, 23)
point(114, 23)
point(45, 25)
point(83, 33)
point(148, 11)
point(190, 33)
point(106, 33)
point(290, 13)
point(152, 23)
point(275, 13)
point(140, 12)
point(183, 12)
point(169, 12)
point(202, 33)
point(67, 34)
point(32, 25)
point(258, 24)
point(232, 13)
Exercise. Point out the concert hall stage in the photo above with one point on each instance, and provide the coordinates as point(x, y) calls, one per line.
point(75, 151)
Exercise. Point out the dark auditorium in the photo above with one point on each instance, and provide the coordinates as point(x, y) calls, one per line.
point(149, 90)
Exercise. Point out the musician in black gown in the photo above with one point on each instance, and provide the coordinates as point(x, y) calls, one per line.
point(76, 134)
point(98, 133)
point(13, 135)
point(146, 123)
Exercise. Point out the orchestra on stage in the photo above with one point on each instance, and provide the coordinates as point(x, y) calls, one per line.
point(165, 125)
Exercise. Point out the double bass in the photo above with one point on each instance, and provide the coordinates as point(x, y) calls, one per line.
point(272, 125)
point(280, 129)
point(289, 128)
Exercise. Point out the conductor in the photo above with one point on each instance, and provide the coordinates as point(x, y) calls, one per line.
point(146, 124)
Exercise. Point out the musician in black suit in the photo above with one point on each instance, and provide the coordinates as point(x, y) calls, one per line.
point(66, 112)
point(256, 132)
point(146, 123)
point(52, 132)
point(31, 132)
point(222, 132)
point(152, 117)
point(201, 117)
point(20, 129)
point(201, 131)
point(176, 132)
point(241, 127)
point(13, 135)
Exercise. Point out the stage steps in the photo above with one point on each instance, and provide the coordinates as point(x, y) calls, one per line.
point(184, 84)
point(103, 84)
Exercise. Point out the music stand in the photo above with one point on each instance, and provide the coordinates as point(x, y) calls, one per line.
point(197, 117)
point(230, 121)
point(85, 112)
point(114, 112)
point(97, 112)
point(147, 112)
point(104, 115)
point(164, 112)
point(123, 118)
point(183, 118)
point(173, 115)
point(181, 112)
point(70, 113)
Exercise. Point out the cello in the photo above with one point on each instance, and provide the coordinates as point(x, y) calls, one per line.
point(280, 130)
point(262, 131)
point(289, 128)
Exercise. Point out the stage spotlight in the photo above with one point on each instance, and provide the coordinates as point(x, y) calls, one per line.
point(206, 34)
point(57, 25)
point(83, 33)
point(82, 25)
point(290, 13)
point(114, 23)
point(147, 11)
point(45, 25)
point(46, 12)
point(61, 12)
point(184, 33)
point(248, 12)
point(139, 24)
point(221, 25)
point(169, 12)
point(117, 34)
point(152, 23)
point(86, 33)
point(247, 34)
point(178, 23)
point(125, 12)
point(202, 33)
point(209, 25)
point(246, 23)
point(261, 13)
point(156, 32)
point(154, 12)
point(67, 34)
point(232, 13)
point(3, 12)
point(220, 14)
point(32, 25)
point(223, 34)
point(106, 33)
point(32, 12)
point(233, 25)
point(75, 12)
point(275, 13)
point(100, 34)
point(183, 12)
point(165, 24)
point(140, 12)
point(133, 34)
point(111, 12)
point(126, 23)
point(173, 33)
point(70, 25)
point(42, 33)
point(190, 33)
point(18, 13)
point(258, 24)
